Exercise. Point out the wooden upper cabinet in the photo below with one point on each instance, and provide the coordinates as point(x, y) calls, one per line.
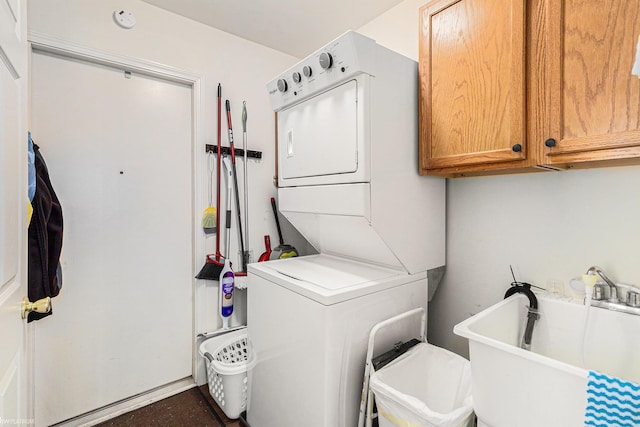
point(551, 78)
point(472, 84)
point(594, 99)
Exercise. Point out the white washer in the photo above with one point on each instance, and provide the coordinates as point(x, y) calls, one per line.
point(309, 320)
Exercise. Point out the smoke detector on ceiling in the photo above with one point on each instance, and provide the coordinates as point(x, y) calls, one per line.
point(124, 18)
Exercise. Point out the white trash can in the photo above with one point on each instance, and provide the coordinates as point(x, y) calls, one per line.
point(228, 358)
point(427, 386)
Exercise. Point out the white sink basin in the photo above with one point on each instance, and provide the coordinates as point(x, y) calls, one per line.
point(546, 386)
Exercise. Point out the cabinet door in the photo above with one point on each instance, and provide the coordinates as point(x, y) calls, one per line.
point(472, 83)
point(593, 97)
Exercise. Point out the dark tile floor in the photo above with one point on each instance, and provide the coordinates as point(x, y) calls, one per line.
point(194, 407)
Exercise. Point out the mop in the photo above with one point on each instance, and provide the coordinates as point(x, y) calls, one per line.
point(241, 278)
point(213, 266)
point(247, 252)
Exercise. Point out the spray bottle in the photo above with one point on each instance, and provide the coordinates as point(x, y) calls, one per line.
point(227, 279)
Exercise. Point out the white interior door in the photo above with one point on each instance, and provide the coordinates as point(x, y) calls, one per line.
point(119, 150)
point(14, 388)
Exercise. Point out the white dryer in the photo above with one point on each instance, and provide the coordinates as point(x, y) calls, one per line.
point(348, 181)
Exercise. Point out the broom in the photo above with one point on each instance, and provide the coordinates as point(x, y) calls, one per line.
point(210, 214)
point(213, 266)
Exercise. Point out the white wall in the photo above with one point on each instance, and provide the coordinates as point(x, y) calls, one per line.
point(548, 226)
point(242, 67)
point(397, 28)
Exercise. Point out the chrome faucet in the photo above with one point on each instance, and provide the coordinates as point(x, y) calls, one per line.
point(613, 290)
point(631, 303)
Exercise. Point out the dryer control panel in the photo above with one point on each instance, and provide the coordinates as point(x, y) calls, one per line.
point(342, 59)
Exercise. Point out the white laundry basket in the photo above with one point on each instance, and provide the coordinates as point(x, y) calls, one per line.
point(228, 358)
point(427, 386)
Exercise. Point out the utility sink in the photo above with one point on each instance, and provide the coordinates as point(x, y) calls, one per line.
point(545, 386)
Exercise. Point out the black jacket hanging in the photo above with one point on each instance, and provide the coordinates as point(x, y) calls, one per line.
point(45, 238)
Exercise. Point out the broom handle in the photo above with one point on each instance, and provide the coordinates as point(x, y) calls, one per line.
point(229, 177)
point(275, 213)
point(246, 182)
point(235, 182)
point(218, 173)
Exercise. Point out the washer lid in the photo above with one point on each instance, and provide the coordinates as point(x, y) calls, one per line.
point(329, 279)
point(332, 273)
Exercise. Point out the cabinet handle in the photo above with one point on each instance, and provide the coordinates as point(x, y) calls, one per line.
point(517, 148)
point(550, 142)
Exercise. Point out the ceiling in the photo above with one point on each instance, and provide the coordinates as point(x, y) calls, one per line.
point(296, 27)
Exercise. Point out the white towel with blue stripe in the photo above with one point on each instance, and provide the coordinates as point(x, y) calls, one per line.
point(611, 402)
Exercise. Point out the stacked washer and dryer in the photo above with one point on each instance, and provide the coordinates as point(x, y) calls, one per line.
point(348, 181)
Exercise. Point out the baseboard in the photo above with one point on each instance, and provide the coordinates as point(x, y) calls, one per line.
point(127, 405)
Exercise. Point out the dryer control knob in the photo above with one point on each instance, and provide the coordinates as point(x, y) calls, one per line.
point(306, 70)
point(326, 60)
point(297, 78)
point(282, 85)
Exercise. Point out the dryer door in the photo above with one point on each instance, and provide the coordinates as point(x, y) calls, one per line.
point(319, 136)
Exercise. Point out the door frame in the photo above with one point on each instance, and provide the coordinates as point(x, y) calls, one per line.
point(43, 43)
